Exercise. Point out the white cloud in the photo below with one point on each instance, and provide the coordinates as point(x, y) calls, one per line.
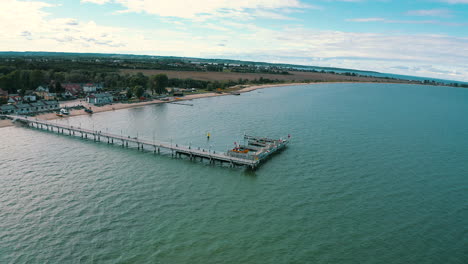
point(99, 2)
point(27, 27)
point(455, 1)
point(378, 52)
point(391, 21)
point(190, 9)
point(369, 19)
point(431, 12)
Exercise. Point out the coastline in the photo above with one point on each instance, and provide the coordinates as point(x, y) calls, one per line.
point(119, 106)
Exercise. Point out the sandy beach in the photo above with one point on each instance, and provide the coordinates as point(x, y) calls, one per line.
point(118, 106)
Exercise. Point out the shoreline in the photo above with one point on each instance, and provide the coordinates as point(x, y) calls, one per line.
point(119, 106)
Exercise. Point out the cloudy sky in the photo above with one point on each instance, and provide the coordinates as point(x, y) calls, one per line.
point(420, 37)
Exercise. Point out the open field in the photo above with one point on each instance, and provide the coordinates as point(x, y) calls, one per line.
point(293, 77)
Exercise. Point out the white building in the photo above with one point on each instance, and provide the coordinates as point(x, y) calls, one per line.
point(92, 87)
point(29, 108)
point(100, 98)
point(30, 98)
point(89, 88)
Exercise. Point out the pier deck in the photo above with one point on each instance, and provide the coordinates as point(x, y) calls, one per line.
point(156, 146)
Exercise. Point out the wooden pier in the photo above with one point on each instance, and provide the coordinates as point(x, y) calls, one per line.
point(179, 103)
point(176, 150)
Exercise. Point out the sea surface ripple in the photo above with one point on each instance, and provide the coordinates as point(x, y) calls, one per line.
point(375, 173)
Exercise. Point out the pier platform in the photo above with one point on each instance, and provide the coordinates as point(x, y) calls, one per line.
point(176, 150)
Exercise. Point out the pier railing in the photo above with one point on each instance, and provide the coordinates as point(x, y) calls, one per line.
point(176, 150)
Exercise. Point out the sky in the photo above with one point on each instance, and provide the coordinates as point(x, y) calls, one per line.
point(426, 38)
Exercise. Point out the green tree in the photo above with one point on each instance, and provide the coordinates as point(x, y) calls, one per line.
point(129, 93)
point(138, 80)
point(60, 76)
point(216, 84)
point(59, 88)
point(158, 83)
point(25, 80)
point(11, 82)
point(36, 78)
point(138, 91)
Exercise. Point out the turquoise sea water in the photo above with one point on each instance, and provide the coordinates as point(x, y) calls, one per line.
point(375, 173)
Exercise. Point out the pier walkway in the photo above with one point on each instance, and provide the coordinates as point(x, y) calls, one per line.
point(155, 146)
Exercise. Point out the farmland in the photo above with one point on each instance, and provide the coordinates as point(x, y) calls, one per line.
point(293, 76)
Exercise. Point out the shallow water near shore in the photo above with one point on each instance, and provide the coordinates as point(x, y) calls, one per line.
point(375, 173)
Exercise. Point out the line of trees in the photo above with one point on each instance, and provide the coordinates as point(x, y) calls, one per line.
point(14, 80)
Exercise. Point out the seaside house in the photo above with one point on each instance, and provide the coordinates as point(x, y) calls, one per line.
point(39, 106)
point(74, 88)
point(50, 96)
point(42, 91)
point(100, 98)
point(121, 96)
point(191, 90)
point(24, 108)
point(15, 99)
point(52, 105)
point(89, 88)
point(67, 95)
point(30, 98)
point(92, 87)
point(29, 108)
point(8, 109)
